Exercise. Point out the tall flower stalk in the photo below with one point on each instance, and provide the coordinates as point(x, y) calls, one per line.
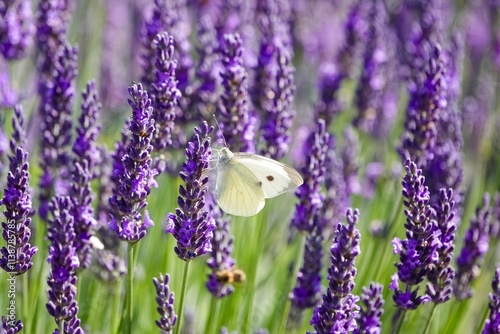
point(16, 258)
point(338, 310)
point(191, 224)
point(135, 177)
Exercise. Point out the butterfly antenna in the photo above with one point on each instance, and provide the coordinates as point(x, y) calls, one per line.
point(220, 131)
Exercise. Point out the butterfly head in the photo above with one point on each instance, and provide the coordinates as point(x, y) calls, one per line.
point(225, 155)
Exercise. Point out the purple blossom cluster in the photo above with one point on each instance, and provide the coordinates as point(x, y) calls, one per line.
point(85, 159)
point(418, 252)
point(191, 224)
point(62, 304)
point(475, 246)
point(16, 28)
point(56, 109)
point(338, 310)
point(492, 324)
point(17, 258)
point(309, 193)
point(221, 260)
point(165, 301)
point(235, 120)
point(129, 219)
point(370, 313)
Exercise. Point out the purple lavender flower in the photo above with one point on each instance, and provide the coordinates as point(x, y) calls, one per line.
point(418, 253)
point(492, 324)
point(220, 260)
point(16, 28)
point(236, 122)
point(475, 246)
point(136, 177)
point(278, 118)
point(328, 106)
point(426, 103)
point(349, 155)
point(11, 326)
point(204, 94)
point(165, 301)
point(338, 311)
point(165, 94)
point(440, 277)
point(307, 290)
point(191, 224)
point(63, 259)
point(309, 193)
point(52, 24)
point(115, 69)
point(376, 66)
point(18, 207)
point(55, 110)
point(8, 95)
point(355, 30)
point(168, 16)
point(369, 316)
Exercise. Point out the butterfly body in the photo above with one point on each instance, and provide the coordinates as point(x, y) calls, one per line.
point(245, 180)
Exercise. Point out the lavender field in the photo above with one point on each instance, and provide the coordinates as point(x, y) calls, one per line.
point(113, 115)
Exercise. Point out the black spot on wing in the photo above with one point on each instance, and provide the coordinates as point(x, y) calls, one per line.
point(270, 178)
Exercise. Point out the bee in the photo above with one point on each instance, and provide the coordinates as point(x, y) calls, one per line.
point(229, 276)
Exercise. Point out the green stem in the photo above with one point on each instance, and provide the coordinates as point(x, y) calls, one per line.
point(183, 295)
point(115, 306)
point(213, 318)
point(130, 287)
point(398, 319)
point(431, 316)
point(61, 326)
point(259, 236)
point(285, 316)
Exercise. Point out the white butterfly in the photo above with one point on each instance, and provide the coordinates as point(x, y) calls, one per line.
point(245, 180)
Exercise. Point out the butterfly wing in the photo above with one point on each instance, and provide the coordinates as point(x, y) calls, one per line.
point(238, 191)
point(275, 176)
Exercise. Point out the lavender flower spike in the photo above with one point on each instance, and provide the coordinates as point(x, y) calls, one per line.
point(17, 200)
point(276, 128)
point(418, 253)
point(307, 290)
point(63, 259)
point(191, 224)
point(16, 28)
point(165, 301)
point(11, 326)
point(236, 122)
point(440, 276)
point(474, 248)
point(369, 316)
point(165, 94)
point(220, 260)
point(136, 177)
point(310, 198)
point(55, 110)
point(492, 324)
point(85, 159)
point(338, 311)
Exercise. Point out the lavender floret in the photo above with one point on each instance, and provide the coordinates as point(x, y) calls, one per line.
point(191, 224)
